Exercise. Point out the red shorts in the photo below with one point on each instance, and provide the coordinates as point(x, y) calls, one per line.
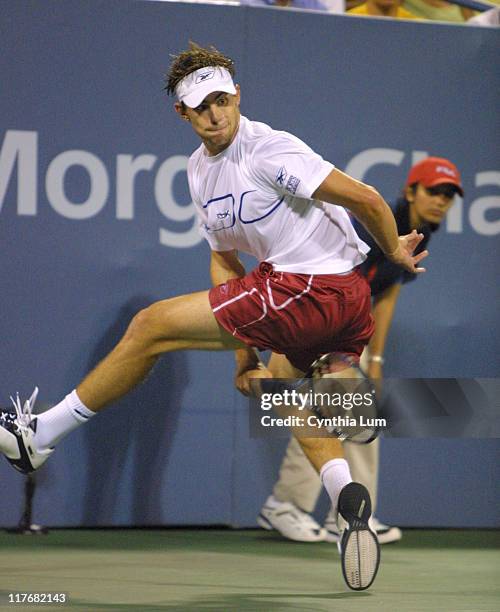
point(299, 315)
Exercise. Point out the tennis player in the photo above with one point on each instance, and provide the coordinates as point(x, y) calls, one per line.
point(428, 194)
point(266, 193)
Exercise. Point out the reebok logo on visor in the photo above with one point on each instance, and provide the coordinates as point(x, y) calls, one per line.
point(205, 76)
point(197, 85)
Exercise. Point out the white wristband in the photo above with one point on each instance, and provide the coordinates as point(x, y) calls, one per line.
point(377, 359)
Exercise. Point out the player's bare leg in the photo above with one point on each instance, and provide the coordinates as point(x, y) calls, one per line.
point(179, 323)
point(359, 546)
point(281, 513)
point(184, 322)
point(318, 450)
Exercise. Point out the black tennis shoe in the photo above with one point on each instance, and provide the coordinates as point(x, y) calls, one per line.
point(17, 433)
point(359, 547)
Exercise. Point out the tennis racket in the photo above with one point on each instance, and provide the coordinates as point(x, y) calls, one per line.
point(335, 398)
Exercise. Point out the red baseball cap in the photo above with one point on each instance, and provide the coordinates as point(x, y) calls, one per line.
point(434, 171)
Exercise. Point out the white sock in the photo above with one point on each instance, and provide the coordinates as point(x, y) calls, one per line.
point(272, 502)
point(335, 475)
point(57, 422)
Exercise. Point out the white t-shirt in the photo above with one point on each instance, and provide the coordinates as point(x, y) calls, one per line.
point(255, 197)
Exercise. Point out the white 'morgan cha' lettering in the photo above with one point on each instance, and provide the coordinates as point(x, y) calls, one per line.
point(478, 208)
point(127, 168)
point(99, 184)
point(20, 147)
point(166, 202)
point(19, 152)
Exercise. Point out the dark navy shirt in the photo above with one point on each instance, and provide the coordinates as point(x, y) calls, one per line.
point(379, 271)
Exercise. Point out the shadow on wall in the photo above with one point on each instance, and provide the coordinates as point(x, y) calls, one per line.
point(140, 435)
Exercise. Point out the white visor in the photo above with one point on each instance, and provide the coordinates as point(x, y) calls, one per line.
point(194, 88)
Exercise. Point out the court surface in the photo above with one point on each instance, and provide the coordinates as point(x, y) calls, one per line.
point(249, 570)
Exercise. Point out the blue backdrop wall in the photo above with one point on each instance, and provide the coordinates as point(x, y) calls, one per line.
point(96, 222)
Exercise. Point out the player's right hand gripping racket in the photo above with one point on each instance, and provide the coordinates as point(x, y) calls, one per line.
point(338, 393)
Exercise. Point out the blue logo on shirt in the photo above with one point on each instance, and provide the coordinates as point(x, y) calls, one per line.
point(281, 176)
point(292, 184)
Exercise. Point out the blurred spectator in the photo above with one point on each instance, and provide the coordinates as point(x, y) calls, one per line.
point(308, 5)
point(332, 6)
point(488, 18)
point(335, 6)
point(382, 8)
point(438, 10)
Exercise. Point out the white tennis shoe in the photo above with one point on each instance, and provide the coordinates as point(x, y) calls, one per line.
point(17, 434)
point(358, 545)
point(291, 522)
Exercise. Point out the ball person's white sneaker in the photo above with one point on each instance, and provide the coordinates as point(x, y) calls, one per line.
point(291, 522)
point(17, 433)
point(385, 533)
point(359, 547)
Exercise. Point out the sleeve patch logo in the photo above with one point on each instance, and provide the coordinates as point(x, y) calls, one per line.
point(281, 176)
point(292, 184)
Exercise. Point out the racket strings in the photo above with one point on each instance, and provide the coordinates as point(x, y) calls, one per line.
point(337, 373)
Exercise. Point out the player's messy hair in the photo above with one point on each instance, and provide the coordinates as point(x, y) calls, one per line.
point(192, 59)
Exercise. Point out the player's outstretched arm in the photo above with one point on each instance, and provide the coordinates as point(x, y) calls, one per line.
point(370, 208)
